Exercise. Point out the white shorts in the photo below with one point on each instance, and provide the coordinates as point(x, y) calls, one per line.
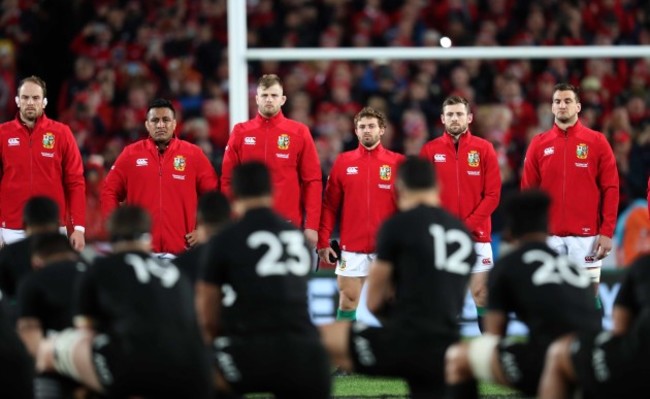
point(484, 261)
point(579, 250)
point(354, 264)
point(9, 236)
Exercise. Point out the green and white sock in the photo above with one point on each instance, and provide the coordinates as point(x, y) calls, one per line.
point(350, 315)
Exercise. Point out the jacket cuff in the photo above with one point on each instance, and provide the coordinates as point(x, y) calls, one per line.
point(80, 228)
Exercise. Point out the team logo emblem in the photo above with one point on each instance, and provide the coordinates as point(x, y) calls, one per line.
point(179, 163)
point(473, 158)
point(342, 265)
point(283, 142)
point(48, 141)
point(582, 151)
point(385, 172)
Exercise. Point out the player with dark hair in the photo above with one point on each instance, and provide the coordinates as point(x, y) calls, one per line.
point(424, 258)
point(45, 300)
point(576, 167)
point(470, 186)
point(543, 289)
point(252, 299)
point(136, 330)
point(212, 213)
point(40, 215)
point(611, 363)
point(165, 175)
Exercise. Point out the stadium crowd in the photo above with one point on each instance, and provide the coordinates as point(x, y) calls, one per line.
point(122, 54)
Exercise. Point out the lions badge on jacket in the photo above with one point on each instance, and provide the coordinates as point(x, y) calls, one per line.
point(473, 158)
point(283, 142)
point(179, 163)
point(48, 141)
point(582, 150)
point(385, 172)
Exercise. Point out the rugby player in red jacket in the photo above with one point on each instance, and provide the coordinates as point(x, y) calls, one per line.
point(576, 167)
point(361, 186)
point(470, 186)
point(164, 175)
point(39, 156)
point(287, 148)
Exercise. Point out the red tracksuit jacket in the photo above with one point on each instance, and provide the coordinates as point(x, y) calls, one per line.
point(288, 150)
point(469, 180)
point(577, 169)
point(167, 185)
point(44, 162)
point(362, 186)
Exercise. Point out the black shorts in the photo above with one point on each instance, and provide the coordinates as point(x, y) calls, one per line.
point(417, 357)
point(522, 364)
point(16, 371)
point(610, 366)
point(149, 373)
point(287, 365)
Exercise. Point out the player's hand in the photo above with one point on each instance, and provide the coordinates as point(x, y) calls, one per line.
point(77, 240)
point(192, 238)
point(311, 236)
point(325, 253)
point(603, 246)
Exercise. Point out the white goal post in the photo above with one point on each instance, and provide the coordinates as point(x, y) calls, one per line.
point(239, 55)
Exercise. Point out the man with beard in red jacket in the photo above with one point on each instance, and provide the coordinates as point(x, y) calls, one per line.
point(164, 175)
point(287, 148)
point(470, 186)
point(39, 156)
point(576, 167)
point(361, 186)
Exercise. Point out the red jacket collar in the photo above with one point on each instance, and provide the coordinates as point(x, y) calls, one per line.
point(42, 120)
point(569, 131)
point(274, 120)
point(153, 147)
point(463, 137)
point(375, 151)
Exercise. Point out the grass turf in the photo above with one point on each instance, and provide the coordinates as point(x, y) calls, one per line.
point(357, 386)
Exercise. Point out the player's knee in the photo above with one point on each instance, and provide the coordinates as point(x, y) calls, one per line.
point(349, 299)
point(456, 364)
point(558, 353)
point(330, 337)
point(479, 294)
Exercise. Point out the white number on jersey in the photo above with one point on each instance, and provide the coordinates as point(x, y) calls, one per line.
point(291, 242)
point(555, 270)
point(145, 268)
point(456, 261)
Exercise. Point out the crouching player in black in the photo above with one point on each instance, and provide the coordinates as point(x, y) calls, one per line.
point(136, 330)
point(45, 300)
point(607, 364)
point(424, 258)
point(545, 291)
point(252, 299)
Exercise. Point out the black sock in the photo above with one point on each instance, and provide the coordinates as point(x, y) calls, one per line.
point(463, 390)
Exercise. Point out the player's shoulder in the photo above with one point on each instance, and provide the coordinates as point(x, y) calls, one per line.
point(9, 126)
point(391, 156)
point(293, 125)
point(435, 142)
